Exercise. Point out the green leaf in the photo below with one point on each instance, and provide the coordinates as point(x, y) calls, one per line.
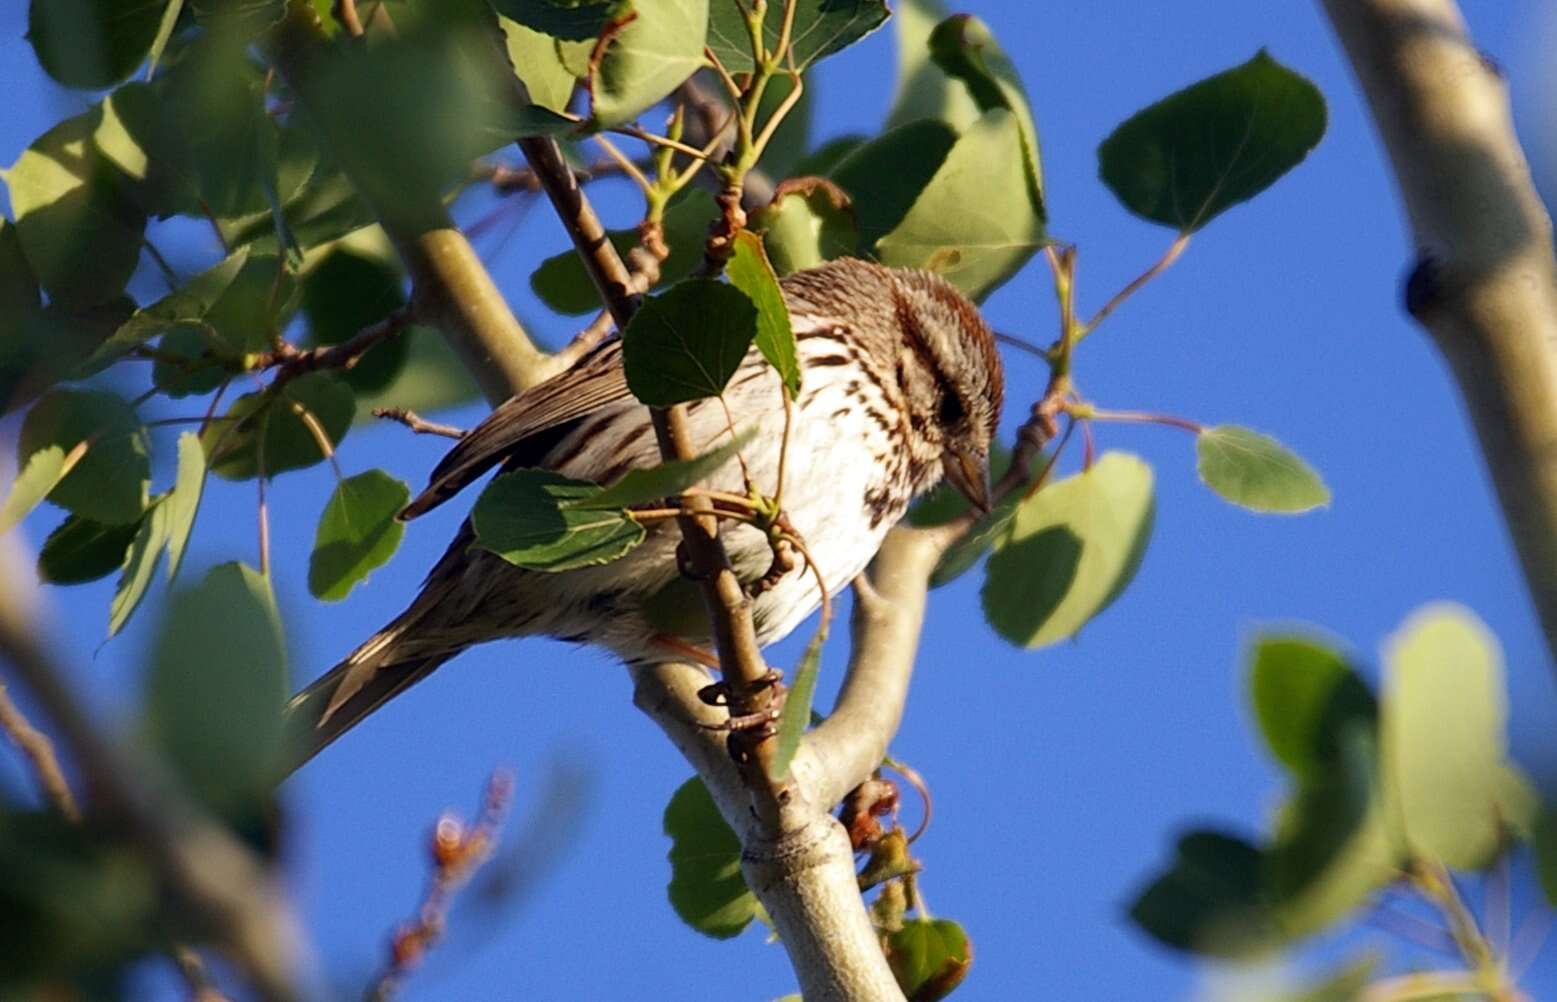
point(170, 12)
point(687, 343)
point(886, 176)
point(216, 686)
point(1443, 742)
point(568, 20)
point(525, 518)
point(19, 293)
point(358, 533)
point(345, 292)
point(91, 44)
point(1200, 151)
point(645, 57)
point(268, 430)
point(749, 271)
point(1333, 848)
point(43, 347)
point(1071, 550)
point(796, 715)
point(563, 284)
point(539, 65)
point(1303, 692)
point(37, 475)
point(238, 17)
point(923, 89)
point(214, 103)
point(666, 480)
point(1545, 849)
point(189, 304)
point(806, 225)
point(929, 958)
point(183, 502)
point(975, 223)
point(80, 550)
point(1257, 472)
point(821, 28)
point(109, 482)
point(1211, 900)
point(706, 886)
point(966, 50)
point(140, 564)
point(75, 220)
point(431, 378)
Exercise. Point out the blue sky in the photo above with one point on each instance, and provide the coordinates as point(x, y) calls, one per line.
point(1061, 776)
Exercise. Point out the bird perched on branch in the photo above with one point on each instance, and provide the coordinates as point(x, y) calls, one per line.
point(901, 386)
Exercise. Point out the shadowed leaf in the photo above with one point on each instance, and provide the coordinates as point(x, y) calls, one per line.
point(109, 482)
point(525, 518)
point(706, 886)
point(749, 271)
point(687, 343)
point(80, 550)
point(1200, 151)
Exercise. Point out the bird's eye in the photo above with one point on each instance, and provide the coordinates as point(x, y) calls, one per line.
point(951, 410)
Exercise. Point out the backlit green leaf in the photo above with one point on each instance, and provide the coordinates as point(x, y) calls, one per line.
point(109, 482)
point(358, 533)
point(1443, 714)
point(75, 220)
point(647, 57)
point(887, 175)
point(537, 62)
point(524, 517)
point(796, 715)
point(749, 271)
point(687, 343)
point(140, 565)
point(706, 886)
point(1257, 472)
point(976, 222)
point(802, 228)
point(929, 958)
point(965, 49)
point(1071, 550)
point(183, 502)
point(1204, 149)
point(923, 89)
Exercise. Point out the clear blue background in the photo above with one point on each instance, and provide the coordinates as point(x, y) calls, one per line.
point(1060, 777)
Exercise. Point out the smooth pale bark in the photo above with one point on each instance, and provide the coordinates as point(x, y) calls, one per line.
point(1485, 282)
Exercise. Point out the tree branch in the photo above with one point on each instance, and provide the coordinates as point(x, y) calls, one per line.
point(201, 866)
point(453, 289)
point(1485, 283)
point(39, 750)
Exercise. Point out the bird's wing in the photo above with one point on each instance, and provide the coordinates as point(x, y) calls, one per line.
point(525, 427)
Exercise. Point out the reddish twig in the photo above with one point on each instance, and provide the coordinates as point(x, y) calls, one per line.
point(457, 853)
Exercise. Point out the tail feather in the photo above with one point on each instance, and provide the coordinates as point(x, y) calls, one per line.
point(319, 714)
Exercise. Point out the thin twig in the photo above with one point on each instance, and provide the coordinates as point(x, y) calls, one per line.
point(345, 11)
point(457, 853)
point(39, 750)
point(1161, 265)
point(417, 423)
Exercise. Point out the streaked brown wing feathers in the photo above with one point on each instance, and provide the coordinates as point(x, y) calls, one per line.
point(517, 429)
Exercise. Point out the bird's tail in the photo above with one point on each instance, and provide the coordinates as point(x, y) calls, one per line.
point(342, 697)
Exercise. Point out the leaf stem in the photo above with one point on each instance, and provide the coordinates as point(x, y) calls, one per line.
point(1161, 265)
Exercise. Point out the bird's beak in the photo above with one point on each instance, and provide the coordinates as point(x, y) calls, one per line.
point(968, 471)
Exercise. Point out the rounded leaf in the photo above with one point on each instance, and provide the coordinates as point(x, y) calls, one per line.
point(92, 44)
point(929, 958)
point(1070, 551)
point(80, 550)
point(358, 533)
point(1200, 151)
point(645, 55)
point(1257, 472)
point(1303, 693)
point(749, 271)
point(687, 343)
point(706, 886)
point(275, 432)
point(821, 28)
point(109, 482)
point(1442, 721)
